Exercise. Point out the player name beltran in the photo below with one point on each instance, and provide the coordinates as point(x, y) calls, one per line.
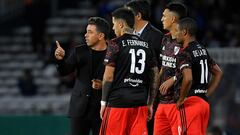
point(134, 43)
point(198, 53)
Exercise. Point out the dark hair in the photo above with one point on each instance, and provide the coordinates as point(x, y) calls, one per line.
point(124, 14)
point(189, 24)
point(179, 8)
point(102, 25)
point(140, 6)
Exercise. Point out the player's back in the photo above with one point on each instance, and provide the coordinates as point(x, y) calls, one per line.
point(200, 63)
point(133, 59)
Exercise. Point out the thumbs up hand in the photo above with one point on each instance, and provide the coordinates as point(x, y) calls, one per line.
point(59, 52)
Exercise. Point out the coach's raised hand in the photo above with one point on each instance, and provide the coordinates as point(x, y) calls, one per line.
point(59, 52)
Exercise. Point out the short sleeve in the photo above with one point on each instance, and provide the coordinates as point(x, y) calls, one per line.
point(184, 61)
point(211, 62)
point(111, 55)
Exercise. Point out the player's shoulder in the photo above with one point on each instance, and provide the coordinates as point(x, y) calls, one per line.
point(195, 45)
point(117, 39)
point(113, 41)
point(167, 39)
point(167, 36)
point(156, 31)
point(81, 47)
point(125, 37)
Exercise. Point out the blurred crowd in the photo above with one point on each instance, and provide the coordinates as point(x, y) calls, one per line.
point(218, 25)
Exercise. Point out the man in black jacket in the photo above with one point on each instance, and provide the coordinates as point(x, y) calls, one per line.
point(144, 29)
point(142, 26)
point(87, 61)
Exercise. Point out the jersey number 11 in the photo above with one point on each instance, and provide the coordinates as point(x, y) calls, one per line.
point(204, 71)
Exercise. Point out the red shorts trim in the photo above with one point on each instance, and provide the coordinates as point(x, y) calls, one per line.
point(124, 121)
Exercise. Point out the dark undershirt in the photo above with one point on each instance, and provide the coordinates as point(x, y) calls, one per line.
point(97, 73)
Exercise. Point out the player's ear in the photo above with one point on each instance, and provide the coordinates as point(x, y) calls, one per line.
point(185, 32)
point(139, 16)
point(174, 19)
point(101, 36)
point(121, 24)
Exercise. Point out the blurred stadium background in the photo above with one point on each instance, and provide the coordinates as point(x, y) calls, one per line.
point(29, 28)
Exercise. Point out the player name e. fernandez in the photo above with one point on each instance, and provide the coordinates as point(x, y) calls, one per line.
point(134, 43)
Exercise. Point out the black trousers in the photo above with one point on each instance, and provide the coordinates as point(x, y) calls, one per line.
point(150, 125)
point(83, 125)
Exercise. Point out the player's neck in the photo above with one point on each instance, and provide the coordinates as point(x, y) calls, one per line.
point(100, 46)
point(188, 40)
point(127, 31)
point(139, 25)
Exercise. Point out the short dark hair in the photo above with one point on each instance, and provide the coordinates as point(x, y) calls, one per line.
point(189, 24)
point(141, 6)
point(179, 8)
point(102, 25)
point(124, 14)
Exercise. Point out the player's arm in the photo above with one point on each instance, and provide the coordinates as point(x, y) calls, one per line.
point(106, 87)
point(185, 86)
point(153, 76)
point(160, 73)
point(108, 75)
point(217, 75)
point(109, 61)
point(166, 85)
point(154, 84)
point(65, 65)
point(107, 82)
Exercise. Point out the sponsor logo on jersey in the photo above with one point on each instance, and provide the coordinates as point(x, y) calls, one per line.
point(200, 91)
point(168, 61)
point(133, 82)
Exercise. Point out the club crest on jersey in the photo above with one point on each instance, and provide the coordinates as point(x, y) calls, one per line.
point(176, 50)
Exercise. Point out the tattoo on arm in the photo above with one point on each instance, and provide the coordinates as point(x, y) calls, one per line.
point(106, 88)
point(154, 84)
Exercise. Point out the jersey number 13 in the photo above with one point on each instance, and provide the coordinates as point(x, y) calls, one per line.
point(140, 57)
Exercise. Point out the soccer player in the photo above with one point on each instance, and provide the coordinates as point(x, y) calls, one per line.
point(153, 36)
point(130, 71)
point(87, 61)
point(194, 67)
point(166, 115)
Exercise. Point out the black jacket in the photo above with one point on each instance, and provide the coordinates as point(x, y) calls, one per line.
point(80, 60)
point(154, 38)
